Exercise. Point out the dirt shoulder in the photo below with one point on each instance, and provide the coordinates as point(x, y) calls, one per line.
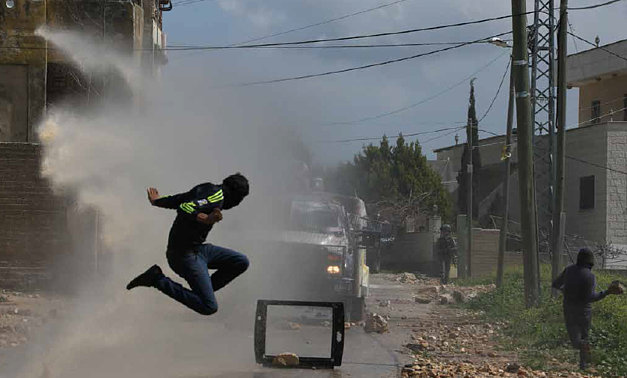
point(22, 314)
point(440, 340)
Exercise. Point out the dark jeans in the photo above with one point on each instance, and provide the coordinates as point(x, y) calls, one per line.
point(194, 267)
point(578, 321)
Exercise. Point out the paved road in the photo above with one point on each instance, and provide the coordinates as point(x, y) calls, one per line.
point(157, 338)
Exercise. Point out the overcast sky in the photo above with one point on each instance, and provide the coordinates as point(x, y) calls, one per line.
point(316, 103)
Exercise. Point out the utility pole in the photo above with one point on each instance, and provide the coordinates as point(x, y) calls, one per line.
point(559, 217)
point(469, 202)
point(508, 157)
point(525, 153)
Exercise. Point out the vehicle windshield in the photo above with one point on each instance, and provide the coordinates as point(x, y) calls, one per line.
point(315, 216)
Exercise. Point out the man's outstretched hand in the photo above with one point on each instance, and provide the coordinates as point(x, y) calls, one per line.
point(211, 219)
point(153, 195)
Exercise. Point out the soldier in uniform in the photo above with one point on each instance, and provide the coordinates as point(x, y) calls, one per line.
point(446, 250)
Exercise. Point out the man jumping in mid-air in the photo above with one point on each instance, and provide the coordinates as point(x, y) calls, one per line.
point(197, 211)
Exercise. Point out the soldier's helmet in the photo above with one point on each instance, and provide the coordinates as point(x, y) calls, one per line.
point(446, 227)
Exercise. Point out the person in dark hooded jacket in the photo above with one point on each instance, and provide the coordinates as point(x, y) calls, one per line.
point(197, 212)
point(578, 284)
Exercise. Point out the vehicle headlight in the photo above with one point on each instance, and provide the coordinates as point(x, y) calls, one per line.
point(333, 269)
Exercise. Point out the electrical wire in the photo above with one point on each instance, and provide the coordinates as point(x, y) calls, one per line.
point(265, 46)
point(408, 31)
point(393, 137)
point(604, 103)
point(596, 165)
point(570, 26)
point(279, 46)
point(187, 2)
point(601, 116)
point(423, 101)
point(595, 6)
point(598, 47)
point(509, 61)
point(438, 27)
point(379, 64)
point(322, 22)
point(441, 136)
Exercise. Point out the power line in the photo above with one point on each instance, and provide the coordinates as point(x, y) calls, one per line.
point(280, 46)
point(601, 116)
point(598, 47)
point(408, 31)
point(497, 91)
point(399, 110)
point(188, 2)
point(570, 26)
point(393, 137)
point(441, 136)
point(595, 6)
point(323, 22)
point(335, 72)
point(596, 165)
point(264, 46)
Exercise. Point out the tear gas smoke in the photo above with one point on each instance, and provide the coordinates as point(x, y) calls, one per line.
point(171, 134)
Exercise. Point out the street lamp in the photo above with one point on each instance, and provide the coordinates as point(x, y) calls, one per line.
point(496, 41)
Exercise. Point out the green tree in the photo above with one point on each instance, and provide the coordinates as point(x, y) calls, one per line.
point(462, 176)
point(394, 176)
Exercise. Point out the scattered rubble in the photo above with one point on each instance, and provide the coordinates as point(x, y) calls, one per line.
point(459, 296)
point(347, 326)
point(428, 368)
point(293, 326)
point(376, 323)
point(20, 314)
point(423, 300)
point(408, 278)
point(429, 290)
point(446, 299)
point(286, 359)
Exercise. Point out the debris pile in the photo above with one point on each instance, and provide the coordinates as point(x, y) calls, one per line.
point(455, 332)
point(449, 294)
point(407, 278)
point(428, 368)
point(376, 323)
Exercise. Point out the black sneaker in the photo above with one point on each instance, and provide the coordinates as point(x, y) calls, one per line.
point(146, 279)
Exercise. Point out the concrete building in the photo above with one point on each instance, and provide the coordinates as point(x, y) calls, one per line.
point(596, 149)
point(34, 76)
point(602, 82)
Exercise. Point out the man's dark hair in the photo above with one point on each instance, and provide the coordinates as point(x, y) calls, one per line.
point(237, 185)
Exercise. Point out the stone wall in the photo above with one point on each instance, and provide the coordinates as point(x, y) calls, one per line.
point(33, 230)
point(486, 250)
point(616, 200)
point(588, 144)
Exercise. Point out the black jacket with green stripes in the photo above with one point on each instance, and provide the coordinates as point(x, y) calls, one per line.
point(186, 232)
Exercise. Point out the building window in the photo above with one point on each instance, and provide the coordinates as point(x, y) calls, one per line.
point(625, 107)
point(586, 193)
point(595, 116)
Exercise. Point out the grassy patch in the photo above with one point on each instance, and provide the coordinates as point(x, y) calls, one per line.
point(539, 334)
